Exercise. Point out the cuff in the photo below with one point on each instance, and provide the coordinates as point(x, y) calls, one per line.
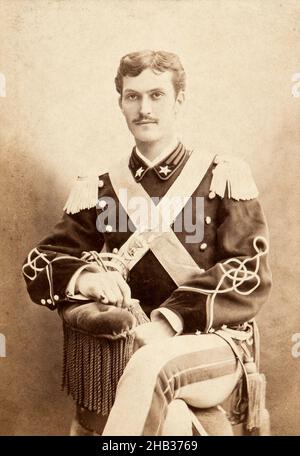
point(191, 307)
point(173, 319)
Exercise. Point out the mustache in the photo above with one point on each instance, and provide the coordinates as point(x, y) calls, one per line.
point(144, 119)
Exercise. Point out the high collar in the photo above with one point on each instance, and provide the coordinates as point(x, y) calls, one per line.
point(164, 168)
point(165, 152)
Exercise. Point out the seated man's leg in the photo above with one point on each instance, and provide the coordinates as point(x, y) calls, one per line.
point(178, 419)
point(202, 370)
point(181, 419)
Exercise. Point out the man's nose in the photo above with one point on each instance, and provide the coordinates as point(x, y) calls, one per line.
point(145, 106)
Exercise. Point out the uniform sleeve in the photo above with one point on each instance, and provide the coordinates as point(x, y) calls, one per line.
point(51, 264)
point(233, 290)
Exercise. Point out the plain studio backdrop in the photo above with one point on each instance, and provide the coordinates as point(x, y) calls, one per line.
point(60, 117)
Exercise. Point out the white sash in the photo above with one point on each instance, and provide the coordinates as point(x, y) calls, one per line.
point(165, 245)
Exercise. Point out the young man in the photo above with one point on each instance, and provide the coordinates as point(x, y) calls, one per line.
point(196, 250)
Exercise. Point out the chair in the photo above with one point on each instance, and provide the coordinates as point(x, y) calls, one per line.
point(98, 343)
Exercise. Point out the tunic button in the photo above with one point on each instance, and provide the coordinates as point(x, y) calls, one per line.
point(108, 228)
point(211, 195)
point(43, 301)
point(115, 250)
point(102, 204)
point(203, 246)
point(100, 183)
point(207, 220)
point(49, 301)
point(56, 297)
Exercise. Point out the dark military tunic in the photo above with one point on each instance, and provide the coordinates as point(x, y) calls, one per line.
point(232, 221)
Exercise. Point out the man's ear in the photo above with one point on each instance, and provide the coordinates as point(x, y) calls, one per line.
point(179, 100)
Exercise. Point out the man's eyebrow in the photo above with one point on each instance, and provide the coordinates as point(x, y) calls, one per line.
point(130, 90)
point(157, 89)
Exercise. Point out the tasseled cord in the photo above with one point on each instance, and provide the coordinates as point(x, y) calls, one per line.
point(256, 386)
point(255, 383)
point(136, 310)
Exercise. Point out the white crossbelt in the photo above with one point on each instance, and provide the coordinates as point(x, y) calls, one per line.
point(164, 244)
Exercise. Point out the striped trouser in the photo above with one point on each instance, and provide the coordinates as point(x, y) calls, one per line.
point(200, 369)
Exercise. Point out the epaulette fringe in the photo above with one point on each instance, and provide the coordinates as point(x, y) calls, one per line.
point(234, 175)
point(83, 195)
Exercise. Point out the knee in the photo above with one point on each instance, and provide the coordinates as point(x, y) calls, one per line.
point(147, 357)
point(146, 364)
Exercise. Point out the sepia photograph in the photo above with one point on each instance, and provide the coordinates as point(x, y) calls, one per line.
point(150, 194)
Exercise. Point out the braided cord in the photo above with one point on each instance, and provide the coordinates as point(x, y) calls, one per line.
point(237, 275)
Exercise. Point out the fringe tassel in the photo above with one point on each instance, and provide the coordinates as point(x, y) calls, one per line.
point(256, 383)
point(93, 367)
point(138, 312)
point(234, 175)
point(250, 399)
point(83, 195)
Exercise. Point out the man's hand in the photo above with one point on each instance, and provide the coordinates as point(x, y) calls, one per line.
point(152, 332)
point(109, 287)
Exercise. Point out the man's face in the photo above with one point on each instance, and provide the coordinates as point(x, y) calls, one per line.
point(150, 105)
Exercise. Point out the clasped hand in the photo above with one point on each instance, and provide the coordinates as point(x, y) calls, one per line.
point(110, 288)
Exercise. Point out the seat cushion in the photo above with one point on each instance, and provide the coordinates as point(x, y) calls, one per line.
point(98, 319)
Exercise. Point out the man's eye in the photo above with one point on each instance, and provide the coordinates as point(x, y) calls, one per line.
point(156, 95)
point(131, 97)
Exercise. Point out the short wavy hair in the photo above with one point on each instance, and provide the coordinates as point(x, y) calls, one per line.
point(158, 61)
